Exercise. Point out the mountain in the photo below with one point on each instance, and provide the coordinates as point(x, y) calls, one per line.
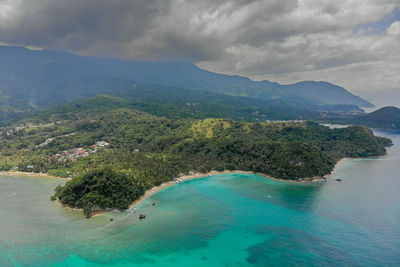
point(383, 118)
point(174, 102)
point(326, 92)
point(43, 78)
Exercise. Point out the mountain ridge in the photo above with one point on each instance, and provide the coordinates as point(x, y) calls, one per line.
point(27, 76)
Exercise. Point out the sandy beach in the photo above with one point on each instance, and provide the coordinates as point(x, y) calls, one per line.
point(180, 179)
point(337, 166)
point(29, 174)
point(195, 175)
point(184, 178)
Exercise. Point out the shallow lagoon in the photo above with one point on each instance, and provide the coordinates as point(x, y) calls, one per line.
point(224, 220)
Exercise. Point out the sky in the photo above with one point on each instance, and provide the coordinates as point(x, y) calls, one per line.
point(352, 43)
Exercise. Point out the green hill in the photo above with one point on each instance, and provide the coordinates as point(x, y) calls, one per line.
point(386, 118)
point(146, 150)
point(180, 103)
point(383, 118)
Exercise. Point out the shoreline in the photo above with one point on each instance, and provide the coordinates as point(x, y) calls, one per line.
point(337, 166)
point(30, 174)
point(194, 176)
point(177, 180)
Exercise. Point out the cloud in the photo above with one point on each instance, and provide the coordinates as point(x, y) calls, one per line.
point(380, 26)
point(279, 40)
point(394, 29)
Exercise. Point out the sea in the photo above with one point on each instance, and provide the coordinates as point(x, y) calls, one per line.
point(221, 220)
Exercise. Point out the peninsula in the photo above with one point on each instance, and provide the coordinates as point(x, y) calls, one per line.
point(115, 154)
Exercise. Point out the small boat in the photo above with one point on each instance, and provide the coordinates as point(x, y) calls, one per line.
point(339, 180)
point(269, 197)
point(142, 216)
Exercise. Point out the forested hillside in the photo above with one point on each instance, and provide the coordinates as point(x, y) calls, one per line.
point(148, 150)
point(200, 105)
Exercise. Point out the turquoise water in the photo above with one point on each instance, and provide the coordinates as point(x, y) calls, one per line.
point(224, 220)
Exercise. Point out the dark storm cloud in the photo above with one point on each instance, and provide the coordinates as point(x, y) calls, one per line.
point(282, 40)
point(147, 29)
point(93, 26)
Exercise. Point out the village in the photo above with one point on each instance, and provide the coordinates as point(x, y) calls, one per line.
point(76, 153)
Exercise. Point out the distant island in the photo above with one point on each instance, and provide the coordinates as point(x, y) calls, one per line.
point(384, 118)
point(115, 154)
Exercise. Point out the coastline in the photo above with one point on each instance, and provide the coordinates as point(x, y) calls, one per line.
point(179, 179)
point(337, 166)
point(30, 174)
point(194, 175)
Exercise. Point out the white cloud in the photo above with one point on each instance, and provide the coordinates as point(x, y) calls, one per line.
point(394, 29)
point(318, 43)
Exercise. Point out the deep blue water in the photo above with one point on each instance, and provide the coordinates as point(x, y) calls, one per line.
point(224, 220)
